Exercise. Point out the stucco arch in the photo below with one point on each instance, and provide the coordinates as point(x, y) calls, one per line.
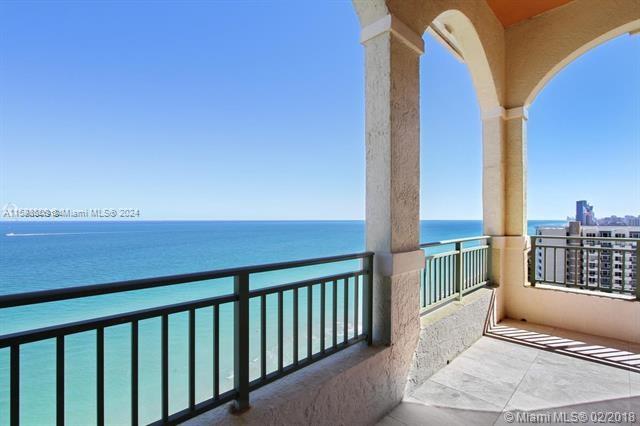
point(539, 48)
point(474, 55)
point(479, 34)
point(574, 55)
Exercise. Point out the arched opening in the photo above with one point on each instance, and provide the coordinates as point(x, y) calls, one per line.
point(456, 87)
point(584, 135)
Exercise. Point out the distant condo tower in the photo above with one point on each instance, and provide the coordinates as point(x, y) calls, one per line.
point(584, 213)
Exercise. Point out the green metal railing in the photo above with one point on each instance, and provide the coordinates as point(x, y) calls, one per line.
point(453, 268)
point(603, 264)
point(347, 322)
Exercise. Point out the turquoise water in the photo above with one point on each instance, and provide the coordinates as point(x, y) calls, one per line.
point(44, 255)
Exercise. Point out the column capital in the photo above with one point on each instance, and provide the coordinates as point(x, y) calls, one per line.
point(506, 114)
point(517, 112)
point(390, 264)
point(494, 112)
point(391, 24)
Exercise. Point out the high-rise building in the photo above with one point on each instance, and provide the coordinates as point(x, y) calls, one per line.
point(620, 221)
point(584, 213)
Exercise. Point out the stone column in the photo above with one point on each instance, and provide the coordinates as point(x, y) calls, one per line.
point(392, 60)
point(493, 172)
point(516, 242)
point(516, 172)
point(493, 193)
point(504, 197)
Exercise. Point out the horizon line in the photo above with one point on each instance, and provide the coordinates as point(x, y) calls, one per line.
point(233, 220)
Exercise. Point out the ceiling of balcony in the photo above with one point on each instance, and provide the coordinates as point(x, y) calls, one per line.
point(510, 12)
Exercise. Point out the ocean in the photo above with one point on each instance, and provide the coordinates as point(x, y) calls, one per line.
point(46, 255)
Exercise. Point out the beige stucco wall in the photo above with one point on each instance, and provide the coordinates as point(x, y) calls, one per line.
point(585, 312)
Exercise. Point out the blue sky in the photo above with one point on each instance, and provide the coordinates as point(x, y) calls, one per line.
point(255, 110)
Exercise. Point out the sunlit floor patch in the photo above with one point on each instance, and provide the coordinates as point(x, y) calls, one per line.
point(600, 349)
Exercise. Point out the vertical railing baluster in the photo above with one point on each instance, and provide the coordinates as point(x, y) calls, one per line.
point(555, 267)
point(472, 265)
point(611, 269)
point(100, 375)
point(475, 267)
point(624, 267)
point(216, 351)
point(280, 331)
point(309, 322)
point(472, 271)
point(533, 262)
point(14, 394)
point(443, 287)
point(433, 279)
point(134, 373)
point(368, 301)
point(451, 269)
point(60, 381)
point(544, 264)
point(334, 305)
point(468, 261)
point(192, 359)
point(638, 269)
point(599, 276)
point(484, 265)
point(322, 314)
point(346, 310)
point(424, 285)
point(165, 367)
point(490, 261)
point(568, 266)
point(432, 287)
point(460, 270)
point(295, 326)
point(445, 284)
point(450, 281)
point(356, 306)
point(241, 342)
point(263, 336)
point(577, 280)
point(438, 279)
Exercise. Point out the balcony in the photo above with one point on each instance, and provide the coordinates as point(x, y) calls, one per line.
point(320, 328)
point(414, 331)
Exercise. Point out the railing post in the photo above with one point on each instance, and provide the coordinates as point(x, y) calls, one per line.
point(460, 272)
point(367, 289)
point(533, 266)
point(241, 343)
point(489, 273)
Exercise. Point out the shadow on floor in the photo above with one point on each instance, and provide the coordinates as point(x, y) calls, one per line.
point(499, 380)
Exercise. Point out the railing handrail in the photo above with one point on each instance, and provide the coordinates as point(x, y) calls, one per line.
point(43, 333)
point(605, 249)
point(571, 237)
point(42, 296)
point(457, 240)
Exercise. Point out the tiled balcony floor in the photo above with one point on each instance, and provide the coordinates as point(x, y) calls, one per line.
point(495, 376)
